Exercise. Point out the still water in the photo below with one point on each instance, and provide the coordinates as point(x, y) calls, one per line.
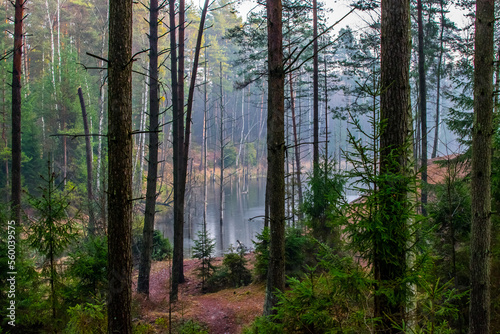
point(242, 218)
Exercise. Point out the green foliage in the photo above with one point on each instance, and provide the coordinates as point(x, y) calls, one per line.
point(322, 201)
point(232, 273)
point(87, 319)
point(297, 245)
point(162, 248)
point(191, 327)
point(330, 298)
point(204, 248)
point(238, 274)
point(88, 265)
point(143, 328)
point(51, 231)
point(382, 221)
point(230, 154)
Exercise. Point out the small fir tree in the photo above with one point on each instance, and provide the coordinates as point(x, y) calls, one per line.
point(204, 248)
point(52, 230)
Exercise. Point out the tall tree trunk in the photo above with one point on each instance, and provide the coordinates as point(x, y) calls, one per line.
point(395, 114)
point(154, 113)
point(315, 91)
point(16, 111)
point(222, 146)
point(422, 105)
point(438, 83)
point(192, 83)
point(120, 166)
point(482, 133)
point(88, 151)
point(178, 142)
point(275, 155)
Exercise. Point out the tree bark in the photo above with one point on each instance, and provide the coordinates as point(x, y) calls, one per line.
point(178, 148)
point(88, 153)
point(315, 91)
point(275, 155)
point(482, 133)
point(154, 113)
point(422, 105)
point(16, 112)
point(395, 114)
point(120, 166)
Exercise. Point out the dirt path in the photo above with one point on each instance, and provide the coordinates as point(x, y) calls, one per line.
point(226, 311)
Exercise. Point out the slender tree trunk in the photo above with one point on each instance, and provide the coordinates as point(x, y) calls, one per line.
point(395, 113)
point(422, 107)
point(222, 145)
point(88, 151)
point(120, 167)
point(192, 83)
point(16, 111)
point(438, 84)
point(482, 133)
point(178, 142)
point(315, 91)
point(296, 142)
point(154, 113)
point(275, 155)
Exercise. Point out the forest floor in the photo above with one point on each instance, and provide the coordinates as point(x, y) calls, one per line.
point(226, 311)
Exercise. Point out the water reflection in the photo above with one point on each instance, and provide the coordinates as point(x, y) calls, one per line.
point(243, 201)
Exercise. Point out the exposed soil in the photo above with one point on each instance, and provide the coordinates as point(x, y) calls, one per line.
point(227, 311)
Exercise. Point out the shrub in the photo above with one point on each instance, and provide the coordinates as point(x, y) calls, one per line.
point(162, 249)
point(232, 273)
point(88, 265)
point(87, 319)
point(238, 274)
point(297, 245)
point(191, 327)
point(333, 299)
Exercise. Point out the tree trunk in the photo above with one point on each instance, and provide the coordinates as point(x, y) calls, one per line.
point(151, 194)
point(482, 133)
point(120, 166)
point(275, 155)
point(296, 143)
point(422, 105)
point(178, 148)
point(438, 84)
point(88, 153)
point(315, 91)
point(16, 112)
point(395, 114)
point(222, 145)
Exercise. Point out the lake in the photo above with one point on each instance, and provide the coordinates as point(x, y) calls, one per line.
point(243, 214)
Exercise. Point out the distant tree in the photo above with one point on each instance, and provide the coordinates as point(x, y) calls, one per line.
point(275, 155)
point(120, 167)
point(482, 135)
